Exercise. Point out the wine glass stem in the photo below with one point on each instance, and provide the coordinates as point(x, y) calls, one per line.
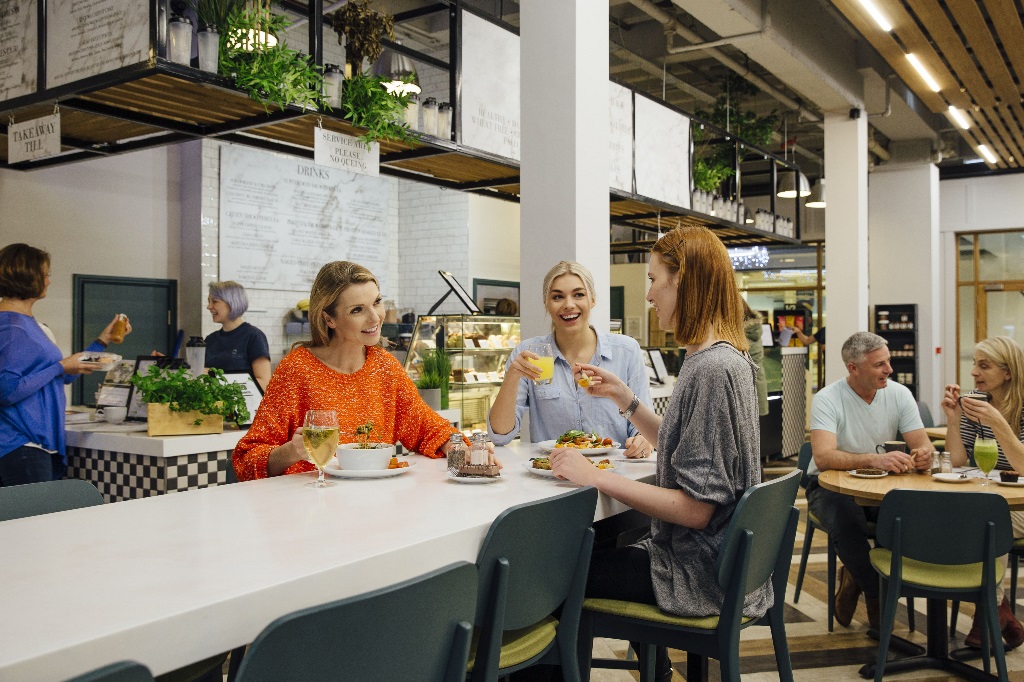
point(319, 476)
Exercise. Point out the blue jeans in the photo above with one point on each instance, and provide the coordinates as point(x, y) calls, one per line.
point(29, 465)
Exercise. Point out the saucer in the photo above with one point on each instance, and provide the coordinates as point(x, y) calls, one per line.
point(473, 480)
point(332, 469)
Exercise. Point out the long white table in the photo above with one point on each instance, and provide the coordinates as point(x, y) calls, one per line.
point(173, 579)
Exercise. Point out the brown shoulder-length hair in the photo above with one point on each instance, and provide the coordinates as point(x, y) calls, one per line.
point(707, 298)
point(332, 279)
point(23, 271)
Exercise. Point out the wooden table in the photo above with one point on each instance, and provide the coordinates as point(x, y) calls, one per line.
point(936, 432)
point(172, 579)
point(869, 492)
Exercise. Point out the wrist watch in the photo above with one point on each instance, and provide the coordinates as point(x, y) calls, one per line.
point(633, 404)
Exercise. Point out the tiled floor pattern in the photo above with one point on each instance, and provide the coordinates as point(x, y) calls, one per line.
point(818, 655)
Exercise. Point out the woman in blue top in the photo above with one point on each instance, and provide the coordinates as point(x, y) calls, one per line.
point(562, 405)
point(32, 372)
point(238, 346)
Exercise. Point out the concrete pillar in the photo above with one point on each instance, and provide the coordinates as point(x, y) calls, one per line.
point(904, 256)
point(564, 150)
point(846, 235)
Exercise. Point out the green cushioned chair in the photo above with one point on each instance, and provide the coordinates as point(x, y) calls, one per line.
point(942, 545)
point(416, 631)
point(47, 497)
point(532, 564)
point(123, 671)
point(757, 547)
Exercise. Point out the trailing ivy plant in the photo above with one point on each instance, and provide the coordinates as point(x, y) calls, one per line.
point(713, 163)
point(207, 394)
point(269, 73)
point(368, 103)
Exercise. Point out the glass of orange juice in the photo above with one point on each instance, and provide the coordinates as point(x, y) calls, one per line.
point(545, 360)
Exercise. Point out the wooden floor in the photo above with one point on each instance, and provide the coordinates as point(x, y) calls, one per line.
point(817, 655)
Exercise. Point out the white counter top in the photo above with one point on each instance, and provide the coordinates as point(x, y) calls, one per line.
point(138, 443)
point(172, 579)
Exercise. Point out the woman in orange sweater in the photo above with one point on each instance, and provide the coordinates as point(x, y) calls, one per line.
point(343, 369)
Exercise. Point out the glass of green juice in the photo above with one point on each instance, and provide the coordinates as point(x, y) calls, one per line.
point(986, 454)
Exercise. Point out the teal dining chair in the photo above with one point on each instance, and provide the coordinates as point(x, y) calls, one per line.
point(47, 497)
point(533, 567)
point(416, 631)
point(122, 671)
point(812, 524)
point(942, 545)
point(757, 547)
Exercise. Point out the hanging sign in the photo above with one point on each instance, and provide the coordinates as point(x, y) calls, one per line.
point(33, 139)
point(344, 152)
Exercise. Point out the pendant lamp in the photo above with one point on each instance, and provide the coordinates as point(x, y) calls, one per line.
point(788, 185)
point(817, 198)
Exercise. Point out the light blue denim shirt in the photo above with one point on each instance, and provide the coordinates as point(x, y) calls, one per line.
point(562, 405)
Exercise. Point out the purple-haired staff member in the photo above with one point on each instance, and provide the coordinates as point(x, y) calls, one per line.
point(238, 346)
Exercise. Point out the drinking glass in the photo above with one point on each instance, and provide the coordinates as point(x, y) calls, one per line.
point(986, 454)
point(320, 438)
point(545, 360)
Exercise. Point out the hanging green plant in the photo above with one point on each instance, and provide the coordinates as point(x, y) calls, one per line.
point(360, 29)
point(368, 103)
point(256, 58)
point(713, 163)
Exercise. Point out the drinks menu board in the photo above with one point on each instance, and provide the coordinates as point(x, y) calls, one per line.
point(620, 137)
point(283, 217)
point(489, 111)
point(662, 152)
point(89, 37)
point(18, 48)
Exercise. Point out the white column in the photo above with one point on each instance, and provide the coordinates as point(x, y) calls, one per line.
point(846, 235)
point(904, 259)
point(564, 118)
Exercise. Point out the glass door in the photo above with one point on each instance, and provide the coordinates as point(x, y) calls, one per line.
point(1001, 312)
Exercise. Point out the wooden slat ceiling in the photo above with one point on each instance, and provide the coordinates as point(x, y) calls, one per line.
point(974, 49)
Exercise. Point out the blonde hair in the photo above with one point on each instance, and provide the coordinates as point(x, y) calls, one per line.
point(1007, 354)
point(568, 267)
point(332, 279)
point(707, 298)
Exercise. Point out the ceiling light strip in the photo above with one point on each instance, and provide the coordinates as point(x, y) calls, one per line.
point(879, 18)
point(959, 117)
point(916, 63)
point(987, 153)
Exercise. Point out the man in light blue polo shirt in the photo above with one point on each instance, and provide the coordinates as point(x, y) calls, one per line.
point(849, 418)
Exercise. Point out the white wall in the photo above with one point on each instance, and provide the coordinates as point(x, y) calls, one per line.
point(493, 240)
point(633, 278)
point(117, 216)
point(904, 259)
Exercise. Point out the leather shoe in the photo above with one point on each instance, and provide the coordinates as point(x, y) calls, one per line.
point(846, 597)
point(874, 609)
point(1013, 633)
point(973, 638)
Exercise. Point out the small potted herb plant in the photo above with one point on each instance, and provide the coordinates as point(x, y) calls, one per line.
point(365, 453)
point(434, 378)
point(179, 403)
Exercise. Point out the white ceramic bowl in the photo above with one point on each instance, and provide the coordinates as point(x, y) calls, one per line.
point(351, 456)
point(106, 361)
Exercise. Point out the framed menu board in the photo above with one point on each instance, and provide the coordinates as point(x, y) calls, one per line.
point(89, 37)
point(19, 46)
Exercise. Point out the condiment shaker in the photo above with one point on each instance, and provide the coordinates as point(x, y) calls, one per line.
point(947, 463)
point(936, 462)
point(456, 454)
point(478, 454)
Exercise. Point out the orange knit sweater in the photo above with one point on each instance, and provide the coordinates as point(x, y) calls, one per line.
point(380, 392)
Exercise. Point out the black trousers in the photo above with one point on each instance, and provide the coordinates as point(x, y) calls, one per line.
point(847, 525)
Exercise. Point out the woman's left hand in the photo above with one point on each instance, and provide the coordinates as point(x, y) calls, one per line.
point(569, 464)
point(980, 411)
point(637, 447)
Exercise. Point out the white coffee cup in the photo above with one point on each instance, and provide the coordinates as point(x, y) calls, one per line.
point(112, 414)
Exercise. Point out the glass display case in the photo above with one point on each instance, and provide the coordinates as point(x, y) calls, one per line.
point(478, 346)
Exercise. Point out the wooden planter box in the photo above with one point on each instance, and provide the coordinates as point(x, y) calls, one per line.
point(162, 422)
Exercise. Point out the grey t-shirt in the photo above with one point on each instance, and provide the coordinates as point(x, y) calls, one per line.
point(709, 446)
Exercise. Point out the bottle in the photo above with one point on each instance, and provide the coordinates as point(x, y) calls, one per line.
point(478, 454)
point(444, 121)
point(412, 112)
point(195, 355)
point(456, 454)
point(179, 40)
point(119, 329)
point(429, 108)
point(332, 85)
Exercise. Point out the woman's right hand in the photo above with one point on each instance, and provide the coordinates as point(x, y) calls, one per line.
point(298, 448)
point(522, 368)
point(951, 402)
point(604, 384)
point(73, 364)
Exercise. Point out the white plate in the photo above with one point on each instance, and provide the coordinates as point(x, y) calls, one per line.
point(549, 446)
point(332, 469)
point(471, 480)
point(633, 460)
point(543, 473)
point(951, 478)
point(1014, 484)
point(106, 361)
point(857, 475)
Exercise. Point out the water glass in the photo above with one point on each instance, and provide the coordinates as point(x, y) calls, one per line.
point(545, 360)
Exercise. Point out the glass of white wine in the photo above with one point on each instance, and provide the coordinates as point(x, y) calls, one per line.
point(320, 438)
